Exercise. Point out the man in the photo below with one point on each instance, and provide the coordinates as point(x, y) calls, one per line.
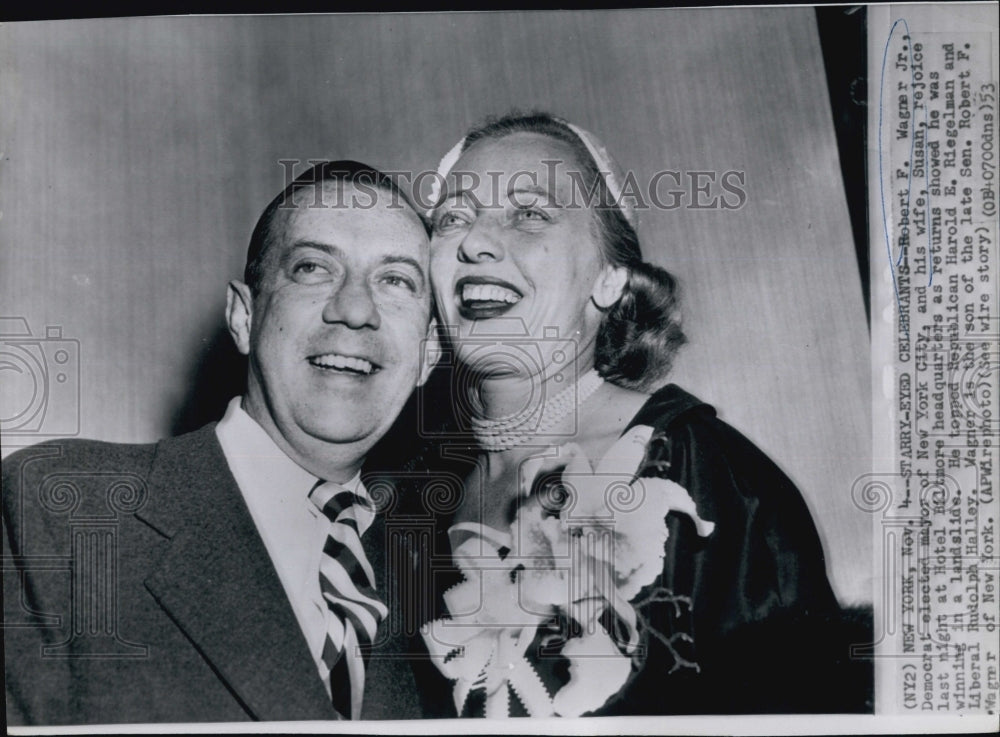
point(219, 575)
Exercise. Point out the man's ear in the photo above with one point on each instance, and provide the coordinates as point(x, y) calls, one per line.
point(609, 286)
point(431, 352)
point(239, 314)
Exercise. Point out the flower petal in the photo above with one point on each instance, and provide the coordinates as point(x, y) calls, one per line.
point(597, 671)
point(678, 500)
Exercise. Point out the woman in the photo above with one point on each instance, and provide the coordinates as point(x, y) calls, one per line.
point(612, 551)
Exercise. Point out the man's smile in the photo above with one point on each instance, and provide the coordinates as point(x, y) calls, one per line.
point(340, 363)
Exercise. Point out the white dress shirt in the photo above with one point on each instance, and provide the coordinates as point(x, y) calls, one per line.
point(294, 530)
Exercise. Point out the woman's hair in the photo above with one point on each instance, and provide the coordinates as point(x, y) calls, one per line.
point(641, 332)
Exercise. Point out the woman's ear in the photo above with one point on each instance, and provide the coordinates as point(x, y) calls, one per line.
point(239, 314)
point(609, 286)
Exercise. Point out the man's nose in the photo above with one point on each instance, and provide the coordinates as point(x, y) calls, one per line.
point(352, 304)
point(482, 243)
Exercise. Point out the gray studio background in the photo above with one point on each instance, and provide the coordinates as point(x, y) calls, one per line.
point(137, 154)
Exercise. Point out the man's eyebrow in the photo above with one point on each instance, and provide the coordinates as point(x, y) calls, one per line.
point(325, 247)
point(389, 258)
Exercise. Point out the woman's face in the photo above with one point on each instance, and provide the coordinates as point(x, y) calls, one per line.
point(514, 252)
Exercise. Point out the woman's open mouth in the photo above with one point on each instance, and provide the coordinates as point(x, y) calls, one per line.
point(481, 297)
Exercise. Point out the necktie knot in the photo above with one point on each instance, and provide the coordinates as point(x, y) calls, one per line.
point(333, 500)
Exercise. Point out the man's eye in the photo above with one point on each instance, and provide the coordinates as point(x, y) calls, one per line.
point(308, 271)
point(402, 282)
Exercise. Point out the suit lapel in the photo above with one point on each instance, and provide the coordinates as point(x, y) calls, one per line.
point(217, 582)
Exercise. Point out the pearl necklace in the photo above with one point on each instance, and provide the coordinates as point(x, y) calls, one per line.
point(506, 433)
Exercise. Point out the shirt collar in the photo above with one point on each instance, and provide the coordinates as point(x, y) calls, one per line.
point(263, 470)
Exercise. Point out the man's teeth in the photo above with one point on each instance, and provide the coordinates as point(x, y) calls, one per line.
point(343, 363)
point(489, 293)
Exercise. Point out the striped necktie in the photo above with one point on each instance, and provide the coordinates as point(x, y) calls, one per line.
point(347, 583)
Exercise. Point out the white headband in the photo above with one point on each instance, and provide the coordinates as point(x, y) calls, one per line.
point(608, 168)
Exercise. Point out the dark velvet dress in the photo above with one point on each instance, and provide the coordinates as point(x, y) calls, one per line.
point(740, 621)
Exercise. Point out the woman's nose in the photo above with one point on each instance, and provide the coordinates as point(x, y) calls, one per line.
point(353, 305)
point(481, 243)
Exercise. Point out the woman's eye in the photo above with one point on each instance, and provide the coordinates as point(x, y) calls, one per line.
point(531, 215)
point(449, 221)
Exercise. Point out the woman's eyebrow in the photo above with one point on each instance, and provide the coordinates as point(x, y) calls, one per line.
point(462, 196)
point(548, 197)
point(456, 195)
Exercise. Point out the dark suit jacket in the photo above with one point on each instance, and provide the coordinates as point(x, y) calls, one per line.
point(137, 589)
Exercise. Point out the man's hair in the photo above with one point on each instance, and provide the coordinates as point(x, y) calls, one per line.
point(361, 176)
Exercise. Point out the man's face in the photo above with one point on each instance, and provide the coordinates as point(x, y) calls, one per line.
point(336, 331)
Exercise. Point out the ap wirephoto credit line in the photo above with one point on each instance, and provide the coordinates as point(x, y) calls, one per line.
point(935, 364)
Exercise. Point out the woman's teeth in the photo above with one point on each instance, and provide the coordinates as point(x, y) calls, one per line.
point(343, 363)
point(489, 293)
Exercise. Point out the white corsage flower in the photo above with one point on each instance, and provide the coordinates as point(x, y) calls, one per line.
point(584, 542)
